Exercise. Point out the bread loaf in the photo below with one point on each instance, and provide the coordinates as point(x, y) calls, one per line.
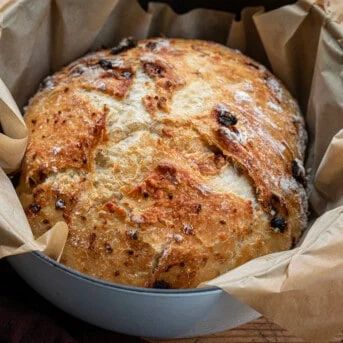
point(172, 162)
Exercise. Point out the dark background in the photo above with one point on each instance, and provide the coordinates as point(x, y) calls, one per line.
point(182, 6)
point(25, 316)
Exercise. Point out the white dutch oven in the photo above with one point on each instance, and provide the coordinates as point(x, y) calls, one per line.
point(132, 310)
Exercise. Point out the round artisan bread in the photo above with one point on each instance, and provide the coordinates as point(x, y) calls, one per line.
point(172, 162)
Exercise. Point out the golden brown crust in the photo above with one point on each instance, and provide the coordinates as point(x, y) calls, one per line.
point(171, 162)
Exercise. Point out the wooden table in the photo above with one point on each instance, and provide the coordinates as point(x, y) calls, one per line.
point(258, 331)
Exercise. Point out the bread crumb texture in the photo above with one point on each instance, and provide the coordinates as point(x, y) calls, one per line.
point(172, 162)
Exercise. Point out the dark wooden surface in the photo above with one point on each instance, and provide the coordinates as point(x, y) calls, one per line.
point(258, 331)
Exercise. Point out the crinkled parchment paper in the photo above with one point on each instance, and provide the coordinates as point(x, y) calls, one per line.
point(300, 289)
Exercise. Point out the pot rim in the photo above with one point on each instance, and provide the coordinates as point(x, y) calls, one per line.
point(122, 287)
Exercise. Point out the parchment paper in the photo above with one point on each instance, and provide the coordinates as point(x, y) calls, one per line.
point(300, 289)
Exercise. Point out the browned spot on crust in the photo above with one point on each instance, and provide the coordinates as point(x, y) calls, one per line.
point(115, 81)
point(154, 103)
point(167, 81)
point(92, 238)
point(113, 208)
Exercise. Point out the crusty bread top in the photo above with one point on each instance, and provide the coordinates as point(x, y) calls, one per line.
point(171, 162)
